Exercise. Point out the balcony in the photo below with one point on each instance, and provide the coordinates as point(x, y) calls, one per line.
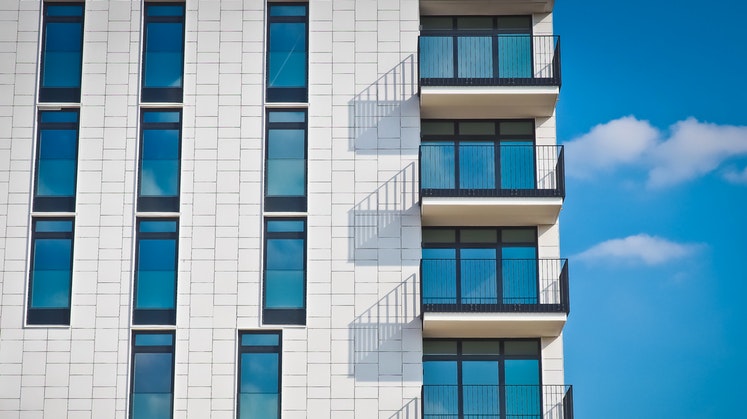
point(497, 401)
point(487, 74)
point(490, 183)
point(488, 7)
point(494, 298)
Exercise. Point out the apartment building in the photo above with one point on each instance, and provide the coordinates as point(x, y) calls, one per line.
point(253, 209)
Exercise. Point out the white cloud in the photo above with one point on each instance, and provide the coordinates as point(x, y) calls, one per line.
point(690, 150)
point(736, 176)
point(650, 250)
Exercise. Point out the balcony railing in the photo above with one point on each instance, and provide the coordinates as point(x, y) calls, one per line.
point(491, 169)
point(497, 401)
point(494, 286)
point(486, 58)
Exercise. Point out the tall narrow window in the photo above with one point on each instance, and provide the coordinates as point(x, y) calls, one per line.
point(62, 52)
point(259, 375)
point(285, 271)
point(160, 157)
point(152, 392)
point(287, 60)
point(56, 161)
point(163, 56)
point(155, 272)
point(285, 186)
point(51, 273)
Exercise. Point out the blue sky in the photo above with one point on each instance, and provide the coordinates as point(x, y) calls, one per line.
point(653, 112)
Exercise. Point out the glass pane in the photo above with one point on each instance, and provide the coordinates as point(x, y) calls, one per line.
point(439, 347)
point(156, 290)
point(59, 116)
point(521, 347)
point(287, 55)
point(161, 116)
point(440, 372)
point(163, 55)
point(259, 373)
point(439, 235)
point(518, 235)
point(437, 165)
point(475, 23)
point(157, 255)
point(152, 373)
point(285, 226)
point(469, 235)
point(286, 177)
point(157, 226)
point(481, 347)
point(517, 165)
point(436, 23)
point(517, 128)
point(282, 116)
point(64, 10)
point(521, 24)
point(284, 289)
point(160, 163)
point(276, 10)
point(477, 128)
point(151, 406)
point(53, 254)
point(286, 254)
point(50, 226)
point(253, 406)
point(154, 339)
point(478, 276)
point(475, 57)
point(476, 165)
point(436, 128)
point(522, 389)
point(439, 279)
point(286, 144)
point(56, 177)
point(515, 56)
point(260, 339)
point(436, 57)
point(165, 10)
point(62, 54)
point(58, 144)
point(51, 288)
point(519, 268)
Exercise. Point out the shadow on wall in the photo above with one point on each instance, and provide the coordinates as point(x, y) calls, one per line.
point(411, 410)
point(376, 335)
point(377, 237)
point(376, 112)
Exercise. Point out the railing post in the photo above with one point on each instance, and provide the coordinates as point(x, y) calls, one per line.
point(565, 288)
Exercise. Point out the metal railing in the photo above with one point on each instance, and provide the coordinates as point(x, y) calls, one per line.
point(494, 285)
point(497, 401)
point(487, 58)
point(491, 169)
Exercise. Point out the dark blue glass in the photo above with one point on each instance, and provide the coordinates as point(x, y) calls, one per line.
point(285, 226)
point(156, 276)
point(286, 162)
point(475, 57)
point(440, 389)
point(52, 272)
point(287, 55)
point(284, 273)
point(259, 384)
point(260, 339)
point(294, 116)
point(515, 56)
point(58, 116)
point(154, 339)
point(57, 162)
point(152, 381)
point(64, 10)
point(437, 165)
point(476, 165)
point(480, 381)
point(164, 57)
point(436, 57)
point(517, 165)
point(158, 226)
point(479, 276)
point(519, 269)
point(159, 167)
point(165, 10)
point(290, 10)
point(62, 55)
point(439, 276)
point(523, 396)
point(53, 226)
point(161, 116)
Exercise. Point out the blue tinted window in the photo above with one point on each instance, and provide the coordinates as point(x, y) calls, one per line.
point(155, 277)
point(285, 186)
point(152, 376)
point(50, 279)
point(56, 161)
point(287, 57)
point(61, 58)
point(163, 55)
point(259, 376)
point(285, 272)
point(160, 157)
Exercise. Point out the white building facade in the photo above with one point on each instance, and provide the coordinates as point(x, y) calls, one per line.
point(252, 209)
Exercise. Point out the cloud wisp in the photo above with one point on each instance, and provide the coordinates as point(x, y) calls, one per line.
point(688, 150)
point(640, 248)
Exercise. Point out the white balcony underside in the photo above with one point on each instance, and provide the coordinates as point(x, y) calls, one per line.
point(485, 7)
point(489, 211)
point(471, 102)
point(492, 325)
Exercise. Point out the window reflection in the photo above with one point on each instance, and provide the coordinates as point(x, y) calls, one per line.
point(50, 281)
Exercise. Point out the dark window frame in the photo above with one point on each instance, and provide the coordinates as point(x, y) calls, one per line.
point(496, 140)
point(152, 349)
point(159, 203)
point(289, 316)
point(60, 94)
point(50, 316)
point(287, 94)
point(287, 203)
point(142, 316)
point(162, 94)
point(56, 203)
point(243, 349)
point(495, 26)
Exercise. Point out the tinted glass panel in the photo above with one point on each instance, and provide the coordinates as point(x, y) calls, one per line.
point(56, 161)
point(260, 339)
point(439, 347)
point(163, 53)
point(152, 376)
point(287, 55)
point(285, 226)
point(153, 339)
point(285, 272)
point(259, 376)
point(155, 277)
point(61, 55)
point(50, 276)
point(286, 161)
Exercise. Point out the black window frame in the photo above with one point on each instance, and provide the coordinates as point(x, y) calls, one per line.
point(56, 203)
point(243, 349)
point(162, 94)
point(50, 316)
point(151, 349)
point(141, 316)
point(287, 203)
point(286, 94)
point(60, 94)
point(159, 203)
point(285, 316)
